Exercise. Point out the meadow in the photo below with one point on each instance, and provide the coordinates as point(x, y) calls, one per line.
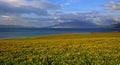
point(62, 49)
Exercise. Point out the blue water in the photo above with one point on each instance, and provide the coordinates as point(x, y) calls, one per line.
point(23, 32)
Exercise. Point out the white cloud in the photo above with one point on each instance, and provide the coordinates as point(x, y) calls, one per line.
point(41, 13)
point(117, 19)
point(114, 6)
point(43, 4)
point(5, 17)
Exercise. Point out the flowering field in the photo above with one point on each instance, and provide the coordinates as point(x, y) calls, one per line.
point(62, 49)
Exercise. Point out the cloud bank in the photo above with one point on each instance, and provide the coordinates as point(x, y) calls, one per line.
point(41, 13)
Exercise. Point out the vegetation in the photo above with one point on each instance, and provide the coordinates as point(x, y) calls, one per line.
point(62, 49)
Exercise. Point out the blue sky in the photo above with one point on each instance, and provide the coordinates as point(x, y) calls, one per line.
point(80, 5)
point(41, 13)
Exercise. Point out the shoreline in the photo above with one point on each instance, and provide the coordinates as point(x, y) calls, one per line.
point(70, 35)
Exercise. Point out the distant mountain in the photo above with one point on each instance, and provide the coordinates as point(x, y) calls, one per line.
point(114, 26)
point(75, 24)
point(11, 26)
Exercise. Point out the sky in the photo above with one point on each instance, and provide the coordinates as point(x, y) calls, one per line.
point(42, 13)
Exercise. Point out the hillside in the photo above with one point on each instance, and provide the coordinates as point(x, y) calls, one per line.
point(63, 49)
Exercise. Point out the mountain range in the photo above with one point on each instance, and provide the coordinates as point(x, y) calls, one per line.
point(76, 24)
point(11, 26)
point(83, 24)
point(114, 26)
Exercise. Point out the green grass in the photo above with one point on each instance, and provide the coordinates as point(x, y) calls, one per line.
point(62, 49)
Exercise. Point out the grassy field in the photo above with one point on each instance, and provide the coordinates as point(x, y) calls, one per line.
point(62, 49)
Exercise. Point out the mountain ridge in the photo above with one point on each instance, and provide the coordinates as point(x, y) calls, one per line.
point(76, 24)
point(115, 25)
point(11, 26)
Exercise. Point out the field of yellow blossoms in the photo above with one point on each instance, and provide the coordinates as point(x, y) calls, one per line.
point(62, 49)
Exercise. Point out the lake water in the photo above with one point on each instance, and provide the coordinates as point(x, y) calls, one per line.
point(23, 32)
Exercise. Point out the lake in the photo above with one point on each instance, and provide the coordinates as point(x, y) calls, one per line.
point(23, 32)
